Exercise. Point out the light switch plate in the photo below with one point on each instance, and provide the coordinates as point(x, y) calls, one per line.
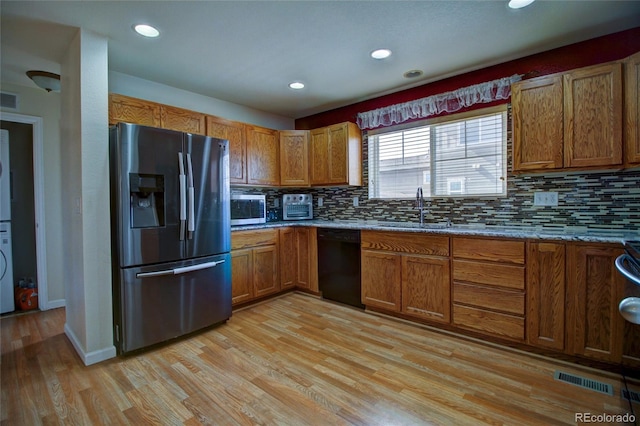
point(320, 201)
point(546, 198)
point(356, 201)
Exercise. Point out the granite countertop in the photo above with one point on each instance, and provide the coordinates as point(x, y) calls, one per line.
point(524, 232)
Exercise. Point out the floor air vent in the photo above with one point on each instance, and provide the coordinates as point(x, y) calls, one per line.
point(632, 396)
point(583, 382)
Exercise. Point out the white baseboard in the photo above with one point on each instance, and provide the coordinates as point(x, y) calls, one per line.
point(89, 358)
point(54, 304)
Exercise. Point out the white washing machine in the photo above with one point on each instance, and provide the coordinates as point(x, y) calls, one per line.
point(7, 303)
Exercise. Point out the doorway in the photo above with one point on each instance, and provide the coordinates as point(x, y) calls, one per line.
point(27, 210)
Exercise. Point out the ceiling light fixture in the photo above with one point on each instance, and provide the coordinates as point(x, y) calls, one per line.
point(296, 85)
point(381, 53)
point(146, 30)
point(45, 80)
point(519, 4)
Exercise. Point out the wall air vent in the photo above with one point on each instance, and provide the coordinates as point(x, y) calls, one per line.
point(583, 382)
point(9, 100)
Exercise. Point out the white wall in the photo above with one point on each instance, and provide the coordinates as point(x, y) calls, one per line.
point(85, 161)
point(124, 84)
point(36, 102)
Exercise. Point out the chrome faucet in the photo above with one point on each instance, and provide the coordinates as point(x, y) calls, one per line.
point(420, 204)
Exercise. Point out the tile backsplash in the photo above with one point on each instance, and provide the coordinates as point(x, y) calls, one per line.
point(587, 199)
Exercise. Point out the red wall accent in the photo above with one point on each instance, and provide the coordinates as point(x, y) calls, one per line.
point(595, 51)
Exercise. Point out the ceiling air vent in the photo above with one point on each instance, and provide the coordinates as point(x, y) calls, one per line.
point(9, 100)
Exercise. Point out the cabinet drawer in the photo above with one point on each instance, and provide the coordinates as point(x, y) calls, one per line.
point(491, 298)
point(494, 274)
point(489, 250)
point(405, 242)
point(253, 238)
point(502, 325)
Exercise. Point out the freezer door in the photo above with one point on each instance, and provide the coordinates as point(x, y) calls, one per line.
point(208, 196)
point(166, 301)
point(146, 176)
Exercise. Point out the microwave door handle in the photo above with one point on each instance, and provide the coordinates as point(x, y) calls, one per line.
point(191, 213)
point(183, 195)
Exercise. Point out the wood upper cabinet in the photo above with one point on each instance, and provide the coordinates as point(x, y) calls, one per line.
point(182, 120)
point(131, 110)
point(569, 120)
point(234, 132)
point(594, 290)
point(546, 295)
point(294, 158)
point(632, 109)
point(336, 155)
point(593, 116)
point(263, 156)
point(537, 123)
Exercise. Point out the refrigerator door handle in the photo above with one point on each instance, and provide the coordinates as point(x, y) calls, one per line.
point(178, 271)
point(191, 221)
point(183, 195)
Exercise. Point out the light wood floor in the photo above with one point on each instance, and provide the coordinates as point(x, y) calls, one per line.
point(295, 360)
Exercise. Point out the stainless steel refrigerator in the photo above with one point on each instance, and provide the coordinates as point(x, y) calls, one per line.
point(171, 234)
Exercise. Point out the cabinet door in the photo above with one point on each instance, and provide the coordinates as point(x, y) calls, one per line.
point(594, 287)
point(426, 287)
point(265, 270)
point(338, 155)
point(546, 295)
point(131, 110)
point(234, 132)
point(632, 108)
point(263, 146)
point(288, 257)
point(318, 158)
point(303, 266)
point(241, 276)
point(593, 116)
point(294, 158)
point(182, 120)
point(537, 123)
point(381, 280)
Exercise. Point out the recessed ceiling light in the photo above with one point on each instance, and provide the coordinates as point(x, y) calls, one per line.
point(297, 85)
point(519, 4)
point(413, 74)
point(146, 30)
point(381, 53)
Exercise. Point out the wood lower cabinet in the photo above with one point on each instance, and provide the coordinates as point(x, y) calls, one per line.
point(294, 158)
point(234, 132)
point(263, 156)
point(546, 295)
point(406, 272)
point(254, 264)
point(594, 290)
point(298, 258)
point(489, 286)
point(335, 156)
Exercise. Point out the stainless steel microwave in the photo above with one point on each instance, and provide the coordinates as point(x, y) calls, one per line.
point(248, 209)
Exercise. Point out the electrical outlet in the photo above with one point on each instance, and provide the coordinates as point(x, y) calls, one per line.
point(356, 201)
point(320, 201)
point(548, 198)
point(276, 202)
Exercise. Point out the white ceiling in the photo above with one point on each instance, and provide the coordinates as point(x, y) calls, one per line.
point(247, 52)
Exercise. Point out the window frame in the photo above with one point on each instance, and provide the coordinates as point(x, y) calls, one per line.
point(468, 115)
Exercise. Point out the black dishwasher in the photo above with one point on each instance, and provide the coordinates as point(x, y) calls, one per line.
point(339, 265)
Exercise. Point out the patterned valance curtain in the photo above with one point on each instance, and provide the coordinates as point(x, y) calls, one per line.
point(436, 104)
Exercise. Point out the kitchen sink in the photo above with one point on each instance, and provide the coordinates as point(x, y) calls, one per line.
point(412, 225)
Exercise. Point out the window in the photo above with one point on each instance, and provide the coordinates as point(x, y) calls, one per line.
point(460, 157)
